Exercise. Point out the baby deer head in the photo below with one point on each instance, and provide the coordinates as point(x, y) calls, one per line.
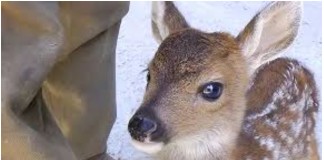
point(195, 97)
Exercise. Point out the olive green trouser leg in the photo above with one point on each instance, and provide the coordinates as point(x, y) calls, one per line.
point(58, 78)
point(80, 92)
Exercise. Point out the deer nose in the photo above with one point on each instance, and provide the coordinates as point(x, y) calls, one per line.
point(141, 127)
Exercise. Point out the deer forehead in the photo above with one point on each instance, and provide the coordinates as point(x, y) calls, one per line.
point(189, 52)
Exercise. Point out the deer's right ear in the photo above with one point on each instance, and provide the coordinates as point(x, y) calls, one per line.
point(166, 19)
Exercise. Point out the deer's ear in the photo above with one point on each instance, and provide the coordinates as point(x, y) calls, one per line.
point(166, 19)
point(272, 30)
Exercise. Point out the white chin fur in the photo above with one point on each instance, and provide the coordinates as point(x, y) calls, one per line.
point(148, 147)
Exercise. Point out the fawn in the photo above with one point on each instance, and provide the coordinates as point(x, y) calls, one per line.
point(219, 97)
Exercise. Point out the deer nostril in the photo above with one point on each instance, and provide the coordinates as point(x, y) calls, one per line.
point(148, 126)
point(142, 125)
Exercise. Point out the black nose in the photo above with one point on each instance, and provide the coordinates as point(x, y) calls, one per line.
point(141, 127)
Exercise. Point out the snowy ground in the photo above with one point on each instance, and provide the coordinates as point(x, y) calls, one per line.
point(136, 47)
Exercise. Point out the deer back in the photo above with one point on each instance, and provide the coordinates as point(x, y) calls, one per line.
point(281, 112)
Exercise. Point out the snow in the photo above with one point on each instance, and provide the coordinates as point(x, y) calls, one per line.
point(136, 47)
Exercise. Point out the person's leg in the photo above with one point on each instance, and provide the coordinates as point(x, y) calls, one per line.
point(80, 90)
point(31, 40)
point(79, 93)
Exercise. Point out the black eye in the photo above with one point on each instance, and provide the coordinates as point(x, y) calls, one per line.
point(211, 91)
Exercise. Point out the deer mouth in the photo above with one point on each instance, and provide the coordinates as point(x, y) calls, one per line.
point(148, 146)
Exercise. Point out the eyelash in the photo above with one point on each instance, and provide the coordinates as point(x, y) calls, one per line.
point(148, 77)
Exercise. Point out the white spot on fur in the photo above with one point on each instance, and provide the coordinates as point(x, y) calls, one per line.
point(284, 136)
point(268, 109)
point(271, 145)
point(268, 142)
point(273, 124)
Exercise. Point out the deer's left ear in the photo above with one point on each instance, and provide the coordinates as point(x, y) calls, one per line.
point(270, 31)
point(166, 19)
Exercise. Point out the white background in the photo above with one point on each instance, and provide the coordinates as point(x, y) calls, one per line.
point(136, 47)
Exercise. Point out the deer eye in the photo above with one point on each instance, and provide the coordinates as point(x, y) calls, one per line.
point(211, 91)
